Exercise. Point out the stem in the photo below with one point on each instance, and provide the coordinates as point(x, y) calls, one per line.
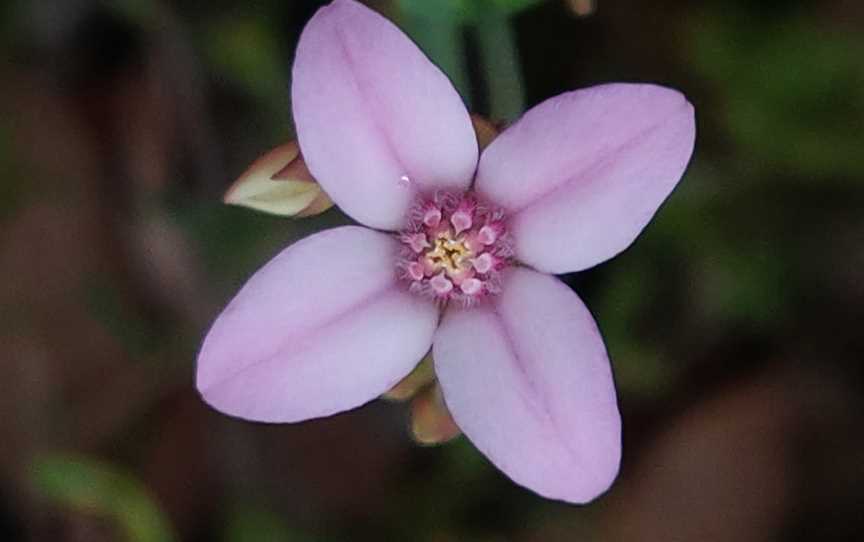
point(499, 58)
point(440, 37)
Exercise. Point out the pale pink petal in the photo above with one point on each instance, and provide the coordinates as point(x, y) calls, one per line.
point(376, 120)
point(528, 380)
point(321, 328)
point(584, 172)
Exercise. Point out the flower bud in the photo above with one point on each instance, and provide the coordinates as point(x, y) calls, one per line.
point(419, 378)
point(484, 128)
point(431, 422)
point(279, 183)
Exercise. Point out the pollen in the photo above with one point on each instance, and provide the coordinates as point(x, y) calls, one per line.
point(449, 253)
point(454, 249)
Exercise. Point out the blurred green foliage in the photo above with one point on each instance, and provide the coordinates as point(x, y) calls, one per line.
point(465, 11)
point(105, 301)
point(248, 54)
point(90, 486)
point(439, 28)
point(254, 523)
point(793, 92)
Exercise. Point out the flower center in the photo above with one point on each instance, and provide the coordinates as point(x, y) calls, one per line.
point(449, 254)
point(454, 248)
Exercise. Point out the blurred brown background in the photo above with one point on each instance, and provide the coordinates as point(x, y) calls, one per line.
point(734, 323)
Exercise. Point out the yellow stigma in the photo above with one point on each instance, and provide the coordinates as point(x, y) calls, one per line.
point(448, 253)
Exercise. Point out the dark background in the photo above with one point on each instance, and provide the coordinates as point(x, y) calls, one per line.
point(734, 322)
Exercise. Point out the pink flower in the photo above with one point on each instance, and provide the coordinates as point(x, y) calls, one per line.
point(340, 317)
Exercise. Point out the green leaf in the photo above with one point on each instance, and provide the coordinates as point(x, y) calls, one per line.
point(500, 64)
point(247, 52)
point(255, 524)
point(91, 486)
point(437, 29)
point(793, 92)
point(464, 11)
point(515, 6)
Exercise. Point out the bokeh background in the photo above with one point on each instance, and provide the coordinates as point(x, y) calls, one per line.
point(734, 323)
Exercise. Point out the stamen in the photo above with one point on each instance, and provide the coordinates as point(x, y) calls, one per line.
point(432, 217)
point(415, 269)
point(461, 221)
point(484, 262)
point(453, 249)
point(487, 235)
point(471, 286)
point(416, 241)
point(441, 284)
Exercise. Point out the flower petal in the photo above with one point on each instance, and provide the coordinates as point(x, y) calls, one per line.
point(584, 172)
point(528, 380)
point(376, 120)
point(321, 328)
